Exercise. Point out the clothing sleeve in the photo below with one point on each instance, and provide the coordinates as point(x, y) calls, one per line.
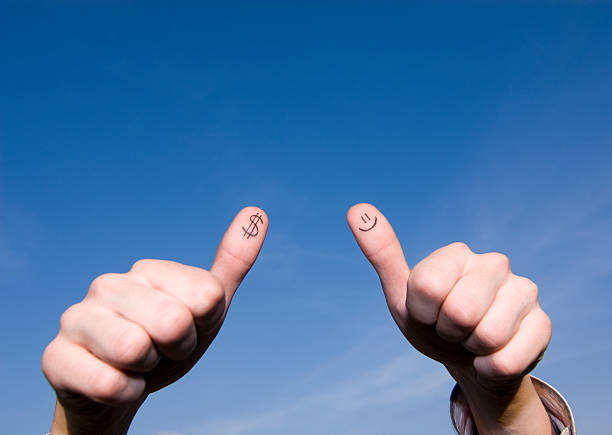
point(559, 412)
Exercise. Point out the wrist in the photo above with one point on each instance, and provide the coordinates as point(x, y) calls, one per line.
point(94, 419)
point(499, 392)
point(508, 408)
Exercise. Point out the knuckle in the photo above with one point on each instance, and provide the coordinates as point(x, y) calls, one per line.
point(460, 246)
point(497, 260)
point(143, 265)
point(426, 283)
point(103, 284)
point(70, 318)
point(489, 338)
point(214, 295)
point(175, 323)
point(546, 326)
point(49, 360)
point(506, 366)
point(108, 385)
point(131, 346)
point(208, 295)
point(462, 314)
point(529, 289)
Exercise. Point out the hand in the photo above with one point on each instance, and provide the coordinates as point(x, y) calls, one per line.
point(140, 331)
point(468, 311)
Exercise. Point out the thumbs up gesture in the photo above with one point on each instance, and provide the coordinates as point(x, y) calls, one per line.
point(140, 331)
point(469, 312)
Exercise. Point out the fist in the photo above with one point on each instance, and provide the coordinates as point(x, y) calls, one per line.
point(139, 331)
point(465, 310)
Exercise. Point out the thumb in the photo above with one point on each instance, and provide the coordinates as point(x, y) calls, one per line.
point(378, 241)
point(239, 248)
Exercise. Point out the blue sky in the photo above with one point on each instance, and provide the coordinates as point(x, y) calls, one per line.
point(138, 130)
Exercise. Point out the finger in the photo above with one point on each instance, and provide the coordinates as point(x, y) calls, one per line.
point(520, 354)
point(71, 369)
point(113, 339)
point(511, 304)
point(471, 297)
point(432, 279)
point(378, 241)
point(200, 291)
point(166, 319)
point(239, 248)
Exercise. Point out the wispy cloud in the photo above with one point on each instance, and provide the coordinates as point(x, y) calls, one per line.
point(563, 239)
point(392, 383)
point(404, 379)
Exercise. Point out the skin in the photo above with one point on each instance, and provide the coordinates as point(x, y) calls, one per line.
point(137, 332)
point(469, 312)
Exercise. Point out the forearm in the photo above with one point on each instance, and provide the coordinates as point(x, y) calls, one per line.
point(515, 411)
point(101, 421)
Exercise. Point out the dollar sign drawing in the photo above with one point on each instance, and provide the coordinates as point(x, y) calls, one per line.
point(252, 230)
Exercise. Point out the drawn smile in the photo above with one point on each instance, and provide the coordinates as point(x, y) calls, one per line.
point(366, 221)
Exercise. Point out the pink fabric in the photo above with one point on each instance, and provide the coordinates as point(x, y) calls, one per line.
point(557, 407)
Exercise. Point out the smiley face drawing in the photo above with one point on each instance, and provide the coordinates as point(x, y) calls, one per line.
point(367, 219)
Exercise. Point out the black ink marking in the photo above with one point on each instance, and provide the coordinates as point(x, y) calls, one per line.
point(252, 230)
point(366, 221)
